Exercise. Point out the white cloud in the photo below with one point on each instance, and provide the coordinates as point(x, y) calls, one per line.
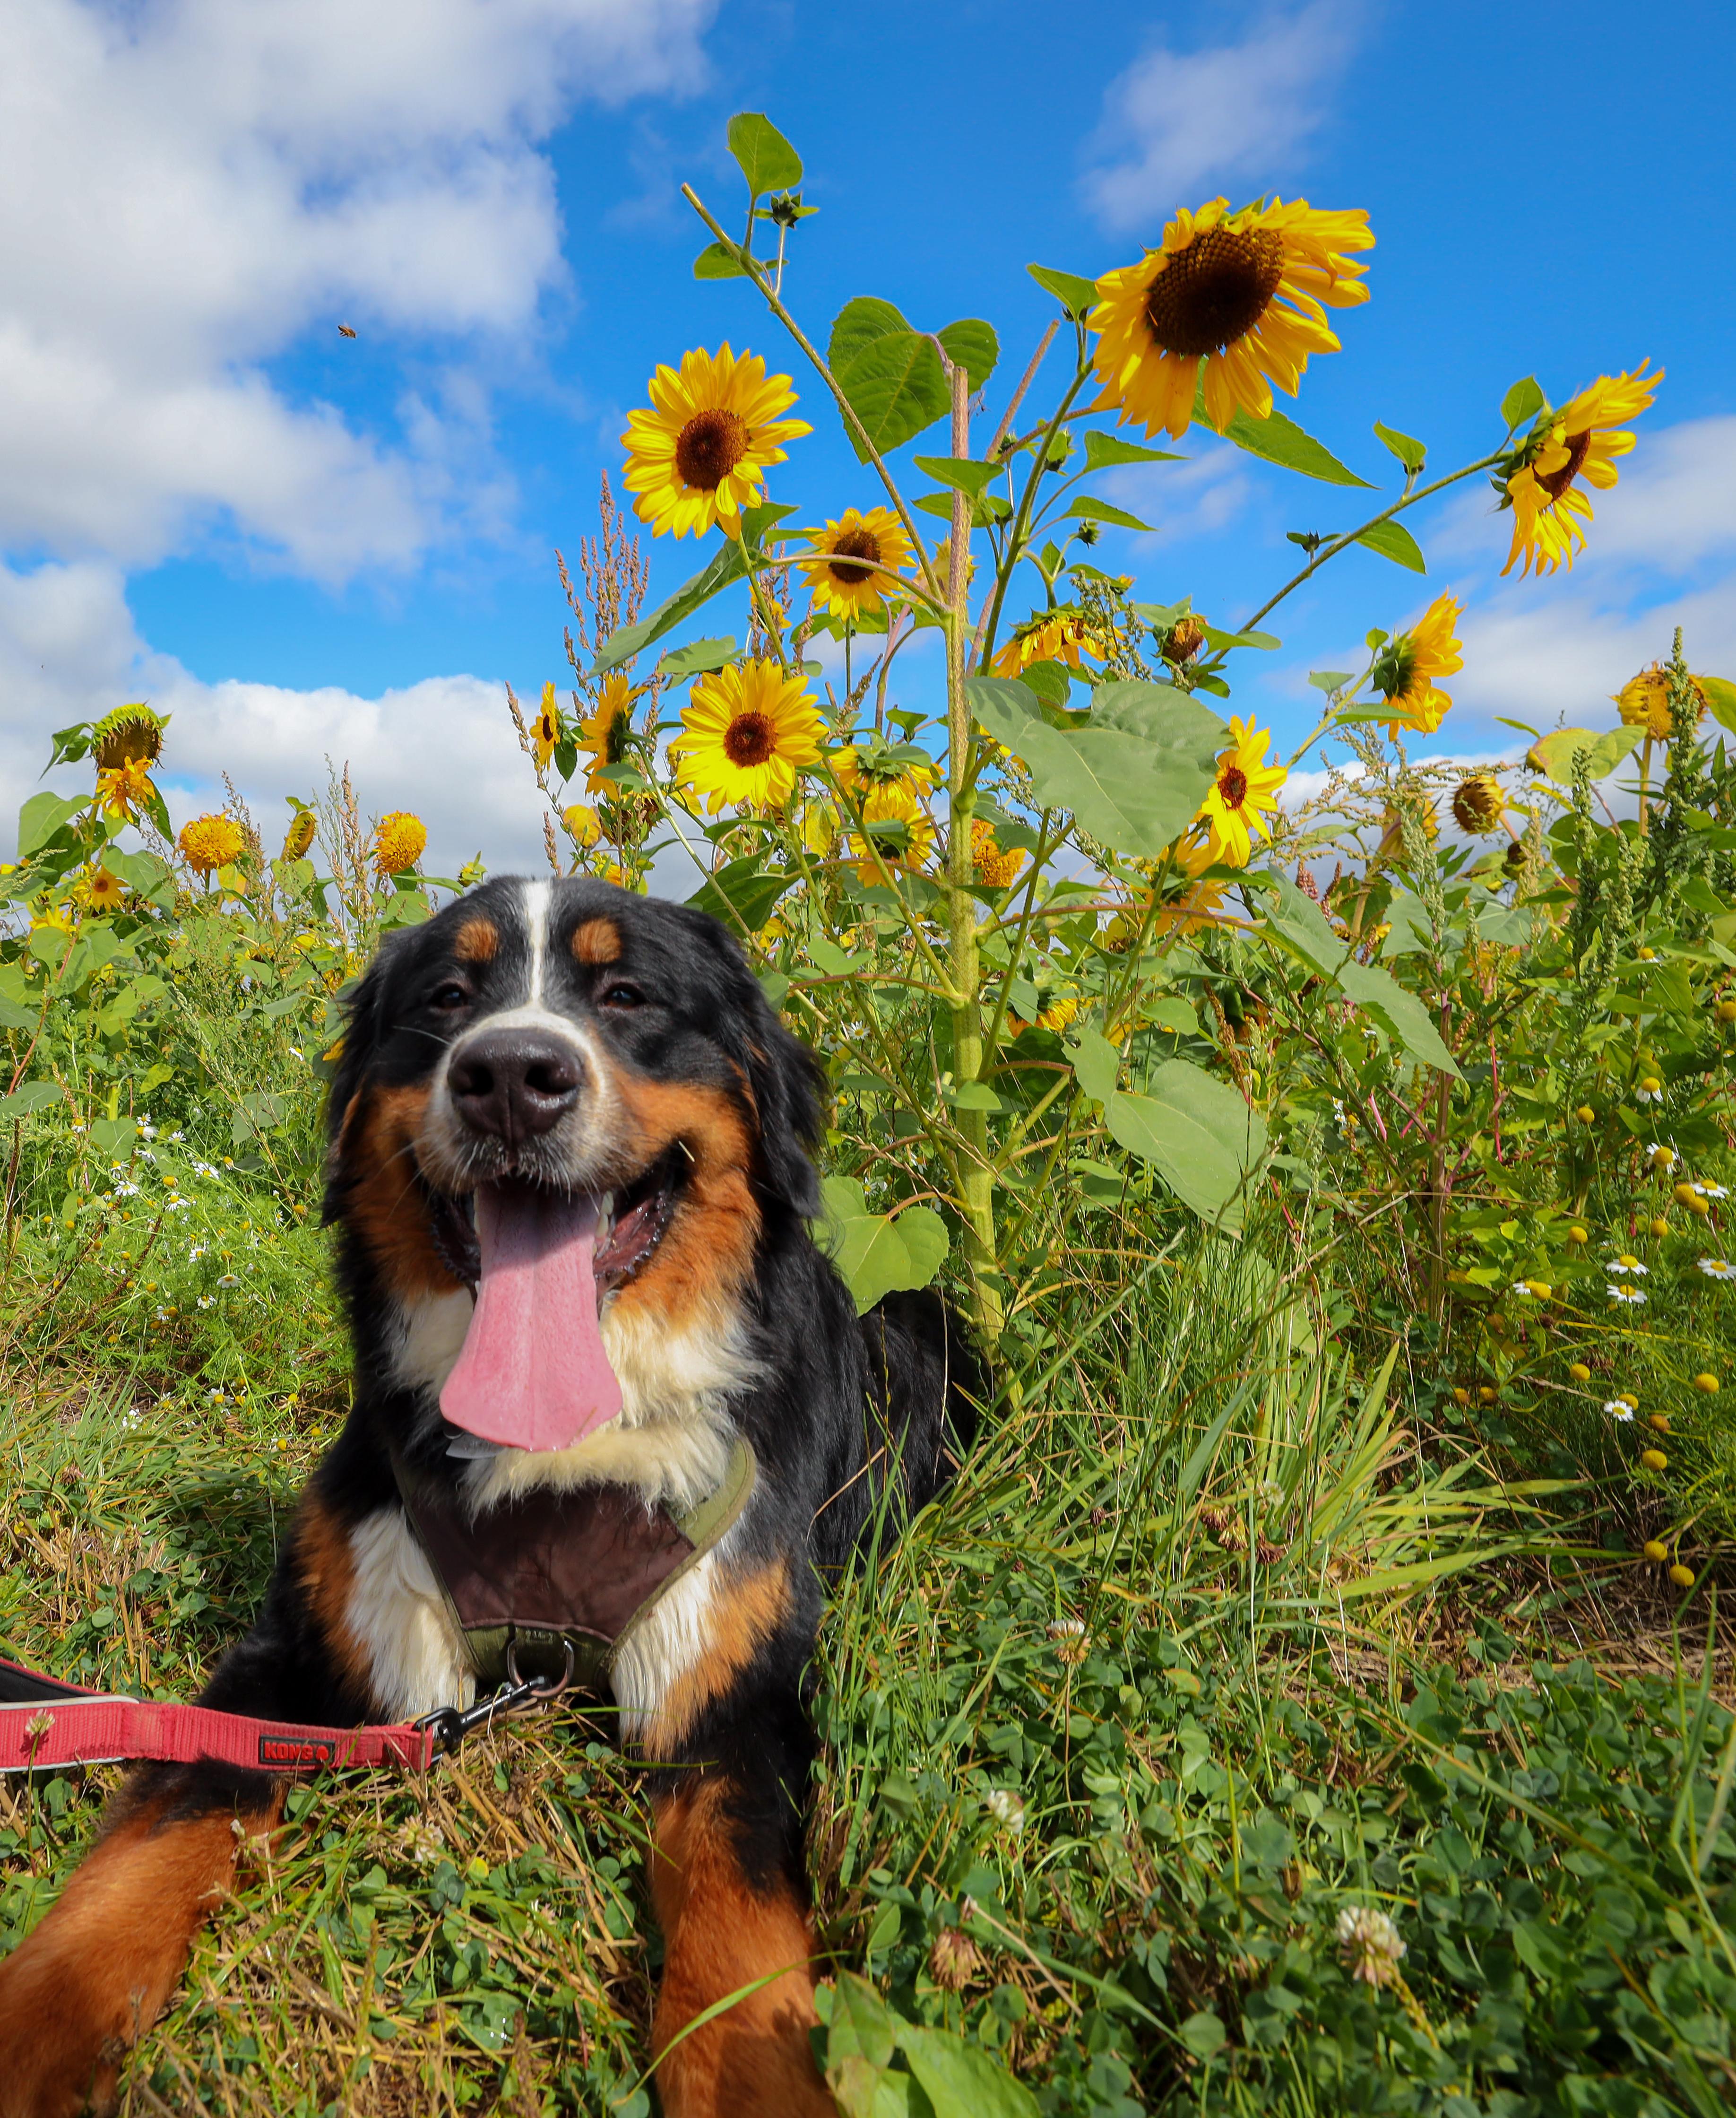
point(192, 184)
point(444, 747)
point(1194, 499)
point(1177, 123)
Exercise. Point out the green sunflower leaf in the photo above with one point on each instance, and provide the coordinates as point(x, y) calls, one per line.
point(1553, 754)
point(857, 325)
point(1720, 695)
point(741, 893)
point(1524, 401)
point(971, 345)
point(1085, 509)
point(961, 472)
point(720, 261)
point(896, 386)
point(698, 657)
point(727, 566)
point(1133, 776)
point(1281, 442)
point(1394, 542)
point(1104, 451)
point(876, 1253)
point(1075, 295)
point(986, 508)
point(1410, 451)
point(962, 2080)
point(1300, 922)
point(768, 160)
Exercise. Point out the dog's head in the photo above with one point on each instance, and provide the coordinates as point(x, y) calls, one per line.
point(567, 1097)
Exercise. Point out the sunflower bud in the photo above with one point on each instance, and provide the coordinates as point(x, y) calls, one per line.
point(299, 836)
point(1478, 802)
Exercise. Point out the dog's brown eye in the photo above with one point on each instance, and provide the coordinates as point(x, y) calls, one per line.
point(446, 997)
point(623, 996)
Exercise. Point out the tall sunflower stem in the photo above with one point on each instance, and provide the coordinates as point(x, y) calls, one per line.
point(976, 1172)
point(1331, 549)
point(755, 272)
point(984, 645)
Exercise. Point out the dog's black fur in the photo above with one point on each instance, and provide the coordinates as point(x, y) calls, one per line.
point(691, 1074)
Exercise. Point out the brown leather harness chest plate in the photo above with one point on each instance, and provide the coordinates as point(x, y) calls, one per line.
point(548, 1571)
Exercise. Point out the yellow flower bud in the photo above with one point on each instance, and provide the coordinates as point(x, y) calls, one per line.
point(1660, 1421)
point(1462, 1397)
point(1655, 1552)
point(1653, 1460)
point(1485, 1395)
point(1650, 1085)
point(1586, 1114)
point(1682, 1576)
point(1727, 1011)
point(1647, 955)
point(1577, 1235)
point(1579, 1372)
point(1708, 1383)
point(1660, 1226)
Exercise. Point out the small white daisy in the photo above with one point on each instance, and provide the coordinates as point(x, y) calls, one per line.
point(1712, 1190)
point(1620, 1408)
point(1648, 1095)
point(228, 1279)
point(1628, 1294)
point(207, 1300)
point(1624, 1262)
point(1716, 1268)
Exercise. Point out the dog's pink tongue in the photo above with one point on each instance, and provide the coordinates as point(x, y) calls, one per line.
point(533, 1373)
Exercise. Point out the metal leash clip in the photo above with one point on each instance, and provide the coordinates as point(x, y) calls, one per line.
point(519, 1694)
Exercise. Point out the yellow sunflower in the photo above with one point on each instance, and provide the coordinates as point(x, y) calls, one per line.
point(545, 730)
point(994, 865)
point(1643, 701)
point(604, 733)
point(746, 732)
point(101, 890)
point(1055, 636)
point(1246, 788)
point(211, 842)
point(400, 842)
point(122, 790)
point(857, 773)
point(1404, 673)
point(838, 576)
point(700, 455)
point(582, 824)
point(892, 802)
point(1242, 292)
point(1582, 441)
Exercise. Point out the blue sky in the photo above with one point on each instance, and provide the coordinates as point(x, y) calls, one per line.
point(304, 545)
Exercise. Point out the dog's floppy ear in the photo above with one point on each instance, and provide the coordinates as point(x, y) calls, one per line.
point(789, 1086)
point(786, 1082)
point(364, 1015)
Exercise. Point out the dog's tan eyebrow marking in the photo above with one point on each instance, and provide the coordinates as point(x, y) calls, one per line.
point(597, 941)
point(477, 942)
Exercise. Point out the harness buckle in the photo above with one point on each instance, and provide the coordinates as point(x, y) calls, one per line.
point(449, 1725)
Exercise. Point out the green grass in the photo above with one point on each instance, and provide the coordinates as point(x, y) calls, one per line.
point(1212, 1643)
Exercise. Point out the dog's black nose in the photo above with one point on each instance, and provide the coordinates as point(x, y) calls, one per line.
point(514, 1084)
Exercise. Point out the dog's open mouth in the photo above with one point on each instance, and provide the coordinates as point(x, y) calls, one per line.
point(533, 1373)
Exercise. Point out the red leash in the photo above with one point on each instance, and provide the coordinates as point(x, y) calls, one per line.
point(45, 1723)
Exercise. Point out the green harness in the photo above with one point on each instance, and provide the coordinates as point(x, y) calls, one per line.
point(548, 1576)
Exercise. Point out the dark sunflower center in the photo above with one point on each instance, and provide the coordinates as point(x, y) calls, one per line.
point(854, 544)
point(1215, 291)
point(749, 739)
point(1232, 786)
point(708, 448)
point(1555, 482)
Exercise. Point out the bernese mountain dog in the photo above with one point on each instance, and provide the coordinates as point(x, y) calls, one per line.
point(616, 1422)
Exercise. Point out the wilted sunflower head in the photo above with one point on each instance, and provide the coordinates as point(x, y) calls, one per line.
point(399, 842)
point(299, 836)
point(1478, 803)
point(582, 824)
point(209, 842)
point(129, 735)
point(1643, 701)
point(1184, 640)
point(1061, 635)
